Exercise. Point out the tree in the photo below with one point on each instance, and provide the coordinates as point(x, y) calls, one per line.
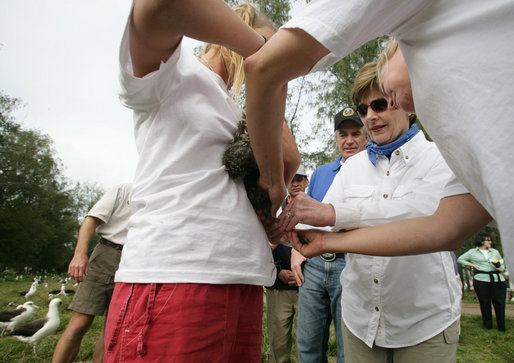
point(38, 212)
point(276, 10)
point(7, 106)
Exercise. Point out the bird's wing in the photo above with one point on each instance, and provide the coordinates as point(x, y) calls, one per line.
point(29, 328)
point(6, 316)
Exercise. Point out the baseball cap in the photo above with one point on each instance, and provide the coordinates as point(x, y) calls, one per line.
point(348, 113)
point(301, 171)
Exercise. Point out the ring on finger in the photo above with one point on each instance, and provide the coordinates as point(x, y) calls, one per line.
point(288, 214)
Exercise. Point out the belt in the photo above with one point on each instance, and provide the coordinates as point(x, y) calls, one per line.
point(329, 257)
point(490, 273)
point(110, 244)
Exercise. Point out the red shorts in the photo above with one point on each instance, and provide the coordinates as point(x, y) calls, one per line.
point(184, 323)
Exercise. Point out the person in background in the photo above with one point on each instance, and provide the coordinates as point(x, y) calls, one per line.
point(190, 283)
point(109, 217)
point(318, 277)
point(282, 297)
point(488, 281)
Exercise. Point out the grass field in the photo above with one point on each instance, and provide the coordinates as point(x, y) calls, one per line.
point(481, 346)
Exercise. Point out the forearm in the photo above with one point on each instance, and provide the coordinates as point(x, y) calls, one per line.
point(456, 219)
point(291, 155)
point(265, 106)
point(370, 213)
point(86, 232)
point(285, 57)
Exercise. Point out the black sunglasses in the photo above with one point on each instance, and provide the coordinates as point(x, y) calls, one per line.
point(378, 105)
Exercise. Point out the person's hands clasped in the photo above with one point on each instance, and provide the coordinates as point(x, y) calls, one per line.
point(287, 277)
point(78, 267)
point(306, 210)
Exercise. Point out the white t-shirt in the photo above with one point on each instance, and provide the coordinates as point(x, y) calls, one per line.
point(461, 65)
point(113, 209)
point(191, 222)
point(395, 301)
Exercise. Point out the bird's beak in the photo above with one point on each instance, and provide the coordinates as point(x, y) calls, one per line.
point(36, 307)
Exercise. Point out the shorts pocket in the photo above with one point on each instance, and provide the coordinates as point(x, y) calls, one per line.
point(451, 334)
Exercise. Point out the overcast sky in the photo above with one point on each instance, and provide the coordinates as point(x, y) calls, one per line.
point(61, 58)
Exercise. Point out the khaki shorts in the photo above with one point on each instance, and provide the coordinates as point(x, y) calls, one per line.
point(442, 349)
point(94, 293)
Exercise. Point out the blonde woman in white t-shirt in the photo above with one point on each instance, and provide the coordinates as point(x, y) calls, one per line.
point(189, 285)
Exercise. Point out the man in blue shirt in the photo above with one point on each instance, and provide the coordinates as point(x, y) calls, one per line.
point(318, 277)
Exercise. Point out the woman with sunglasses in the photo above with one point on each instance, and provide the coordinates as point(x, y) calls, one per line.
point(396, 308)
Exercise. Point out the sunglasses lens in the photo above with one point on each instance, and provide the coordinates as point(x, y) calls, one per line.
point(362, 109)
point(379, 105)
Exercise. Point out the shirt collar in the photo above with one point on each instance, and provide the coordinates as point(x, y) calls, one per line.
point(337, 164)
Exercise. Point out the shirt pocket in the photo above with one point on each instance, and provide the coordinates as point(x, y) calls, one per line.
point(405, 191)
point(358, 193)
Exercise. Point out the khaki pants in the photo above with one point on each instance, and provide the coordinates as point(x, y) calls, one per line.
point(440, 349)
point(281, 308)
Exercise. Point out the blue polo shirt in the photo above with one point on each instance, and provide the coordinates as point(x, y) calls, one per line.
point(322, 179)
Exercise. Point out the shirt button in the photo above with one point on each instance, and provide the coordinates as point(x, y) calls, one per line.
point(387, 173)
point(397, 152)
point(376, 308)
point(385, 196)
point(375, 280)
point(407, 157)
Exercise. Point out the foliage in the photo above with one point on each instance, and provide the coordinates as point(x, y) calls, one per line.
point(276, 10)
point(38, 210)
point(7, 106)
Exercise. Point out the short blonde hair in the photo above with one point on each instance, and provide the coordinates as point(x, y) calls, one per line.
point(387, 53)
point(365, 81)
point(233, 61)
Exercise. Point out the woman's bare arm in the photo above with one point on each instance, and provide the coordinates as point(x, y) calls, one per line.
point(456, 219)
point(289, 54)
point(157, 27)
point(291, 155)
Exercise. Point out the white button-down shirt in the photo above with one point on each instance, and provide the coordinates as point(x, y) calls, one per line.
point(396, 301)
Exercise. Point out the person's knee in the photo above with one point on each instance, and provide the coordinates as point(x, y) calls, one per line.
point(79, 324)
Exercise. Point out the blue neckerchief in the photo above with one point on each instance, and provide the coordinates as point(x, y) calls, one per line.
point(386, 150)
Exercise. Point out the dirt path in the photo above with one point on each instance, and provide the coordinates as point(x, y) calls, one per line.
point(474, 309)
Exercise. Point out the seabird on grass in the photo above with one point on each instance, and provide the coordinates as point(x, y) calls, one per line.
point(66, 291)
point(54, 293)
point(31, 291)
point(11, 318)
point(36, 330)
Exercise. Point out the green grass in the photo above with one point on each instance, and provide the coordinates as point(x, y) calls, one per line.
point(482, 346)
point(12, 350)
